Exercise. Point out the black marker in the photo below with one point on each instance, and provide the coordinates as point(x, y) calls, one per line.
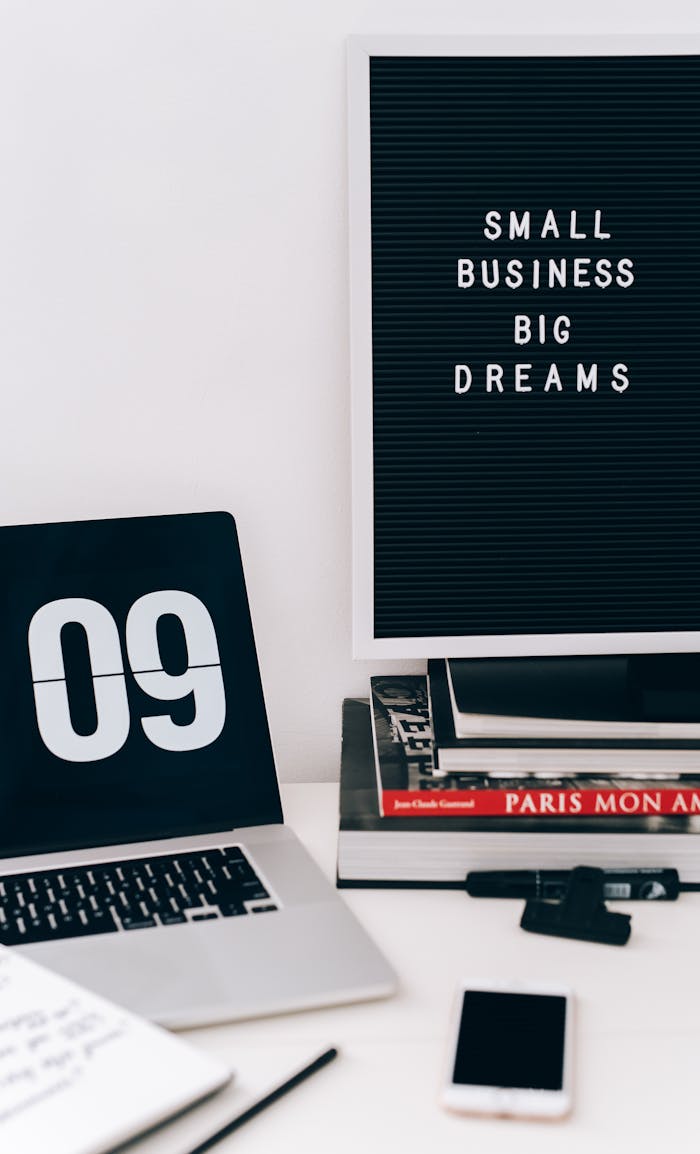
point(630, 885)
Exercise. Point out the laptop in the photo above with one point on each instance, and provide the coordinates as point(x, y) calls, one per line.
point(142, 846)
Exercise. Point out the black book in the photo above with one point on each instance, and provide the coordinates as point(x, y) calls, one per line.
point(655, 696)
point(667, 758)
point(438, 851)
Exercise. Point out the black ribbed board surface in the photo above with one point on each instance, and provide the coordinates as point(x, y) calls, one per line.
point(535, 512)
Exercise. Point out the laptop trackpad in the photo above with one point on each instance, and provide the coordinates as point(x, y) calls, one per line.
point(149, 972)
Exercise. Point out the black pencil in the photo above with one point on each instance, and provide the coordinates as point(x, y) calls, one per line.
point(300, 1076)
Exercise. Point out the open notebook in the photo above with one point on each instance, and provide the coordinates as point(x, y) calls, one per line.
point(79, 1075)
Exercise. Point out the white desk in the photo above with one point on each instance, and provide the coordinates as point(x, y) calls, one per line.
point(637, 1084)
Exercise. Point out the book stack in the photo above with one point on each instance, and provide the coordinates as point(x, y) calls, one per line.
point(476, 767)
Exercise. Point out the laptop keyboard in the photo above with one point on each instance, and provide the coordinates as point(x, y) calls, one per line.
point(138, 893)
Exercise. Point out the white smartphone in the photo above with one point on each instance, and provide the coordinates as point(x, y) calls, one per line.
point(511, 1050)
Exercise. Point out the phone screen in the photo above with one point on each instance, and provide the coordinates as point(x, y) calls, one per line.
point(511, 1040)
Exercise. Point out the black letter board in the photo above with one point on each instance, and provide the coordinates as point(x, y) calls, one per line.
point(535, 245)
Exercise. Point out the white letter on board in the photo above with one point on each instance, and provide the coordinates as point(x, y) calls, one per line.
point(522, 333)
point(492, 231)
point(463, 371)
point(519, 226)
point(522, 373)
point(620, 380)
point(494, 376)
point(465, 273)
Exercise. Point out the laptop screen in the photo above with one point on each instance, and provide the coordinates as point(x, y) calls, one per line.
point(130, 697)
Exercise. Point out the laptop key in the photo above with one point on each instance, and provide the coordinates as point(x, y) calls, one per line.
point(101, 922)
point(233, 853)
point(169, 918)
point(253, 891)
point(137, 922)
point(232, 909)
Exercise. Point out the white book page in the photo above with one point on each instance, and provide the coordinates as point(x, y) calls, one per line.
point(79, 1075)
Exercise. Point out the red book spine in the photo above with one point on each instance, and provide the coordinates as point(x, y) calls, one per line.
point(540, 802)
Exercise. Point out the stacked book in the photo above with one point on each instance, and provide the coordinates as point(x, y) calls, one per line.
point(476, 767)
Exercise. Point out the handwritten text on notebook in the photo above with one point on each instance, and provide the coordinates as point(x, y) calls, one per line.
point(63, 1054)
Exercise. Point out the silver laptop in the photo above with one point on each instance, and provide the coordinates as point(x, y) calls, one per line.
point(143, 847)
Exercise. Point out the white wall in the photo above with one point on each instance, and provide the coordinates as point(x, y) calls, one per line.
point(173, 287)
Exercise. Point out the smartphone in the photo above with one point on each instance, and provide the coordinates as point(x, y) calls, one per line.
point(510, 1050)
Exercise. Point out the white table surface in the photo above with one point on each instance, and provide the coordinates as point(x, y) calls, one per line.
point(637, 1081)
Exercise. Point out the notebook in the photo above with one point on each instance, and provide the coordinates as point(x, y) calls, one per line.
point(79, 1075)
